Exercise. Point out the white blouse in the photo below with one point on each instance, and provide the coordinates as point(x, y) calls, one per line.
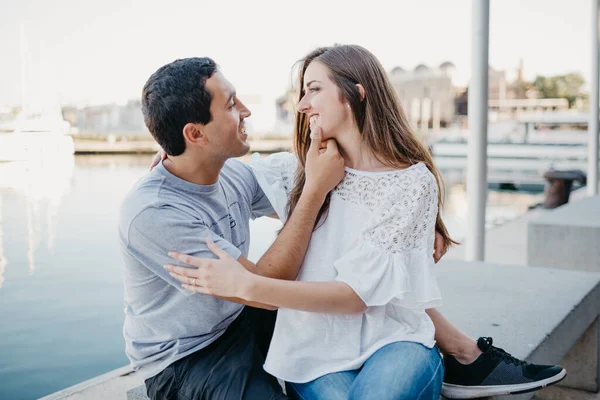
point(377, 238)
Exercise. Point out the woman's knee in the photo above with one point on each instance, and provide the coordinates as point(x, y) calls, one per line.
point(402, 371)
point(433, 389)
point(334, 386)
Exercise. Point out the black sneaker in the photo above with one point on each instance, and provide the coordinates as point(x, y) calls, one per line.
point(495, 372)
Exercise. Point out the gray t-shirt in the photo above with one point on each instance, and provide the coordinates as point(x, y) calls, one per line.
point(162, 213)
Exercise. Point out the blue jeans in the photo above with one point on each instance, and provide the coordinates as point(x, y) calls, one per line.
point(400, 370)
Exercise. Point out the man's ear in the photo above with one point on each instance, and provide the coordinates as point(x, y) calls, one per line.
point(195, 134)
point(361, 91)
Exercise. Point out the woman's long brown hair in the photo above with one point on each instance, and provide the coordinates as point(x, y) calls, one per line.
point(379, 116)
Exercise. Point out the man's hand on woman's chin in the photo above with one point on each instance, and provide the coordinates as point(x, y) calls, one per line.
point(324, 167)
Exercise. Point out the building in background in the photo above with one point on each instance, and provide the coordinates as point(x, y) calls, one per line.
point(432, 99)
point(127, 120)
point(511, 96)
point(427, 94)
point(101, 120)
point(285, 113)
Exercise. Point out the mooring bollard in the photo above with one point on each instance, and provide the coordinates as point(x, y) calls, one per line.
point(559, 186)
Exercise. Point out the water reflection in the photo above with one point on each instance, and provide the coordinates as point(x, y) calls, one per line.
point(3, 260)
point(31, 237)
point(43, 184)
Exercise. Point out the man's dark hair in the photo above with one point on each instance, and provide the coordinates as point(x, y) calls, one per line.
point(176, 95)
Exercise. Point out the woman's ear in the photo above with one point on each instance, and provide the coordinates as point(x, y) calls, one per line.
point(361, 91)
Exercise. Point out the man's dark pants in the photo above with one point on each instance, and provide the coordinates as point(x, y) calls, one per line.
point(229, 368)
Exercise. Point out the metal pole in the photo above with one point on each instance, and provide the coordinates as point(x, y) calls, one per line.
point(477, 150)
point(592, 178)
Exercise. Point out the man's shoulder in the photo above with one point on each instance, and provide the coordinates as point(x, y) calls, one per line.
point(148, 199)
point(144, 193)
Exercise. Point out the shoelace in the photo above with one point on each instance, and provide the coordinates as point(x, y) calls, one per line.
point(498, 353)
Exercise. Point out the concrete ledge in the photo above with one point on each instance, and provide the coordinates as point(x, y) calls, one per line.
point(138, 393)
point(567, 237)
point(105, 386)
point(537, 314)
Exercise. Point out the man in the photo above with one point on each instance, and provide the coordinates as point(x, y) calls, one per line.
point(196, 346)
point(199, 346)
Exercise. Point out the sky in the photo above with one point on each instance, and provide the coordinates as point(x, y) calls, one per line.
point(91, 52)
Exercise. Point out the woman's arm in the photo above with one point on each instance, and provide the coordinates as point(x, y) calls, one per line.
point(225, 277)
point(324, 297)
point(324, 170)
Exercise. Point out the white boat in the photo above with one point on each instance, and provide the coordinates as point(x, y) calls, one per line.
point(35, 138)
point(38, 131)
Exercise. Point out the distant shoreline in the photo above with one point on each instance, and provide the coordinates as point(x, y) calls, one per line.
point(149, 146)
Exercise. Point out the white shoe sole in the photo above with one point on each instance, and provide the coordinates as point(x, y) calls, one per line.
point(472, 392)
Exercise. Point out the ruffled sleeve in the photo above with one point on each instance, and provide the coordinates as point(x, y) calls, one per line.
point(275, 176)
point(393, 261)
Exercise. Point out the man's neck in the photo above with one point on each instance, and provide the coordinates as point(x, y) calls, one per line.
point(194, 169)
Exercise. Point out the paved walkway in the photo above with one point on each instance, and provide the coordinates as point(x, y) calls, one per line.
point(507, 244)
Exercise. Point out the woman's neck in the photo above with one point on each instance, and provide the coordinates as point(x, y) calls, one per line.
point(357, 155)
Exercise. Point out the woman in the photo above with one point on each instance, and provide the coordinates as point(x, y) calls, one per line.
point(354, 324)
